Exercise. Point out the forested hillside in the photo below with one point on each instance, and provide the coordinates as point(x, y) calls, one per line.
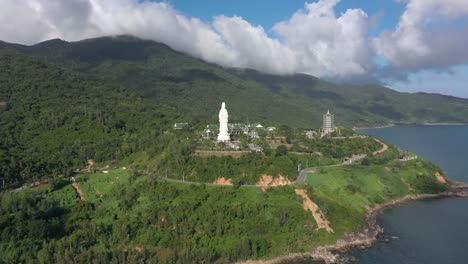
point(53, 120)
point(163, 75)
point(115, 101)
point(126, 218)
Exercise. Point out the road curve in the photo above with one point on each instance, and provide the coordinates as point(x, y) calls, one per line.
point(300, 178)
point(303, 175)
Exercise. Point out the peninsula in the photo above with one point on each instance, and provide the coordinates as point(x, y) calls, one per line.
point(100, 162)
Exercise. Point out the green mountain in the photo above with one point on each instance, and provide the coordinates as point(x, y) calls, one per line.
point(162, 75)
point(115, 101)
point(53, 119)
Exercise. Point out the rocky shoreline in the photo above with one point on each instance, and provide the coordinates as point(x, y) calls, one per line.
point(368, 236)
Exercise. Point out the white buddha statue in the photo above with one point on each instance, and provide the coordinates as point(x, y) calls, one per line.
point(223, 135)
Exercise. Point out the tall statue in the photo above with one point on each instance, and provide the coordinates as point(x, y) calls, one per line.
point(223, 135)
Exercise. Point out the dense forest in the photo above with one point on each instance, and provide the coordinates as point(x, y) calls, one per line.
point(162, 75)
point(53, 120)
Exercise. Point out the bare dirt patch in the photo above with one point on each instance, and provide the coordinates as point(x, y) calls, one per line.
point(267, 180)
point(309, 205)
point(79, 193)
point(440, 178)
point(410, 187)
point(223, 181)
point(98, 195)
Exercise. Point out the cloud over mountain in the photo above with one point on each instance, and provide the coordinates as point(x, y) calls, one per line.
point(426, 37)
point(325, 44)
point(314, 40)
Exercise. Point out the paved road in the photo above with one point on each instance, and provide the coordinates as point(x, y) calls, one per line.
point(300, 178)
point(382, 150)
point(211, 184)
point(303, 175)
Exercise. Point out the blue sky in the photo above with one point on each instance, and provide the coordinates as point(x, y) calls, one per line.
point(407, 45)
point(267, 13)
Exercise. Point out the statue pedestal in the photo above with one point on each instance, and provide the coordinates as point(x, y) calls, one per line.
point(223, 136)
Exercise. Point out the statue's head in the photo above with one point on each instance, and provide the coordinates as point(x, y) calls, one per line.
point(223, 106)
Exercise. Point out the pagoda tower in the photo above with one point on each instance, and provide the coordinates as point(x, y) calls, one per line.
point(328, 125)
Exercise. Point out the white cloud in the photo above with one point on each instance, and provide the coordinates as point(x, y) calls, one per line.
point(425, 36)
point(314, 40)
point(253, 48)
point(326, 44)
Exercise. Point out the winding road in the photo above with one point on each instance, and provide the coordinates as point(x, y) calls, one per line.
point(382, 150)
point(301, 178)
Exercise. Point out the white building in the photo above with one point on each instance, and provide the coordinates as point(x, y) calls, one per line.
point(310, 134)
point(328, 125)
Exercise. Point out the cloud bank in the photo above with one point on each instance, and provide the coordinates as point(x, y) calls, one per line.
point(314, 40)
point(426, 37)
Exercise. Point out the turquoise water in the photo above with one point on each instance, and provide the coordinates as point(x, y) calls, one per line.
point(431, 231)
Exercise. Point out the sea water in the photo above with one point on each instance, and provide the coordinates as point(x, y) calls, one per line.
point(429, 231)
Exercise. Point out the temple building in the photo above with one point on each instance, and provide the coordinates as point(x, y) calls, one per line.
point(223, 131)
point(180, 126)
point(328, 125)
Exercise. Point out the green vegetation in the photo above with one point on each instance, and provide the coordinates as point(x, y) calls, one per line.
point(55, 120)
point(345, 193)
point(340, 148)
point(128, 217)
point(115, 100)
point(175, 158)
point(165, 76)
point(144, 220)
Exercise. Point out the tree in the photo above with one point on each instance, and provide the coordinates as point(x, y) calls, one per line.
point(281, 151)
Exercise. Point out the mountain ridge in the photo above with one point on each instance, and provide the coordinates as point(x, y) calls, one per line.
point(163, 75)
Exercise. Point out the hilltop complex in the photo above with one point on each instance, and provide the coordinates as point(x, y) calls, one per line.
point(225, 129)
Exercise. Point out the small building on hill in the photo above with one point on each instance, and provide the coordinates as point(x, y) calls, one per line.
point(311, 134)
point(238, 129)
point(210, 131)
point(180, 126)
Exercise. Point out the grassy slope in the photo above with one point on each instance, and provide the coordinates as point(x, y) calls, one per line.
point(347, 192)
point(157, 72)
